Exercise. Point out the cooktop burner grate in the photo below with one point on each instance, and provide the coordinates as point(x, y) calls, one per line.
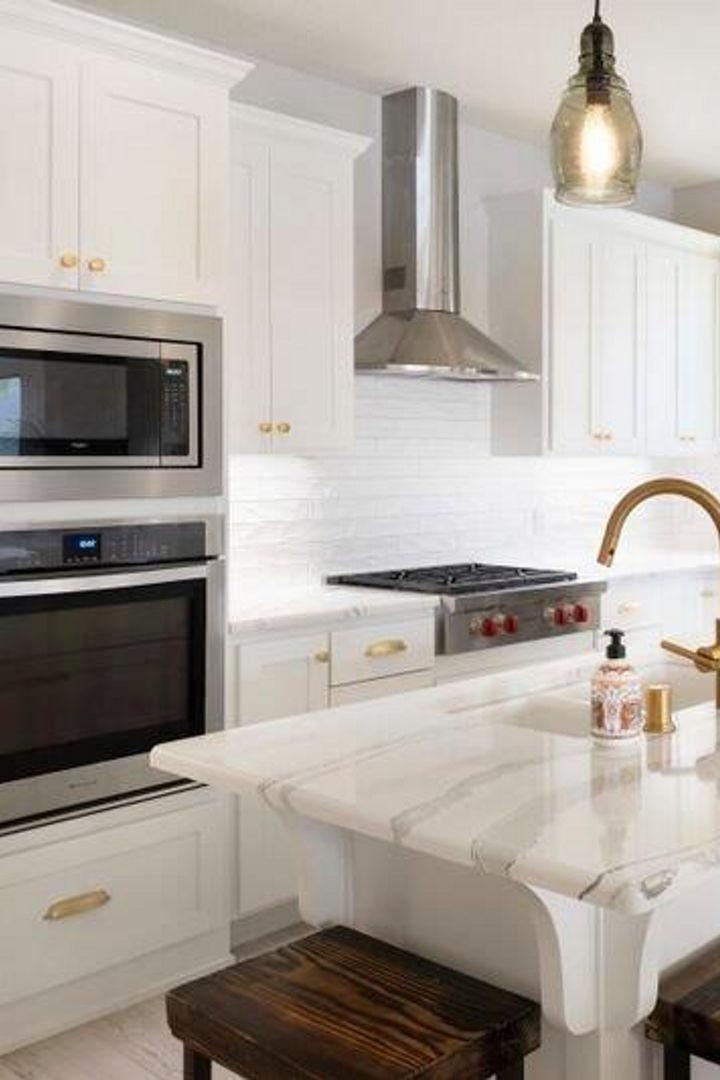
point(454, 580)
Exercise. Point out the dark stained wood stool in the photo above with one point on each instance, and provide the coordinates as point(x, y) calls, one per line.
point(340, 1005)
point(686, 1019)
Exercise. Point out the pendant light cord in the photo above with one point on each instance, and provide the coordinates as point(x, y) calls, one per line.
point(598, 17)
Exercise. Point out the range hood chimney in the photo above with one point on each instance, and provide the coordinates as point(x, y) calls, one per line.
point(421, 331)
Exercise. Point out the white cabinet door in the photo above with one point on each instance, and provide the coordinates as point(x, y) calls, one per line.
point(280, 678)
point(620, 330)
point(697, 386)
point(574, 407)
point(38, 162)
point(596, 340)
point(311, 305)
point(663, 350)
point(247, 329)
point(152, 185)
point(682, 353)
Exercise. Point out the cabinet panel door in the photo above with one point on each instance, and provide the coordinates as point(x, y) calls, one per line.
point(575, 421)
point(697, 386)
point(311, 298)
point(39, 169)
point(153, 183)
point(247, 346)
point(621, 344)
point(274, 679)
point(663, 351)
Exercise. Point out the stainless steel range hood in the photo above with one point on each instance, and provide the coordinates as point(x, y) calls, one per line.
point(421, 331)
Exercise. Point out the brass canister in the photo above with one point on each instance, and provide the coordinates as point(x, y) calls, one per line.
point(658, 715)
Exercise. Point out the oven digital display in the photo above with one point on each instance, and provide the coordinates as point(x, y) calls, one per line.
point(81, 547)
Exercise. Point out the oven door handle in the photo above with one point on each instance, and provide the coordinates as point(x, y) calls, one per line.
point(96, 582)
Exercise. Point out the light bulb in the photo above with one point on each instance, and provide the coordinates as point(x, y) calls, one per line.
point(599, 151)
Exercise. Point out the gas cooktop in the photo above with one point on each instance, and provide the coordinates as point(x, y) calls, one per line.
point(455, 580)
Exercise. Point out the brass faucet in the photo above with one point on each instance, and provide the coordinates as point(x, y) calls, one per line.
point(706, 658)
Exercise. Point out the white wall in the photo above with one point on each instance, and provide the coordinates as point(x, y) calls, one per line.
point(420, 485)
point(699, 206)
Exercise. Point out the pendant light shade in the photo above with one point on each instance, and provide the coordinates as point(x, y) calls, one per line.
point(596, 142)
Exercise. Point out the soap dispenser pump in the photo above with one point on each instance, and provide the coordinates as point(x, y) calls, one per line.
point(616, 694)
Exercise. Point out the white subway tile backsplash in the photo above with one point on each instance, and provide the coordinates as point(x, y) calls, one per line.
point(422, 487)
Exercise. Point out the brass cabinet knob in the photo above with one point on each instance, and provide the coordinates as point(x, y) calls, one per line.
point(97, 265)
point(323, 656)
point(68, 260)
point(265, 428)
point(283, 428)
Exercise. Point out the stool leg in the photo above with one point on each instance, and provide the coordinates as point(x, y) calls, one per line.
point(195, 1065)
point(513, 1072)
point(677, 1064)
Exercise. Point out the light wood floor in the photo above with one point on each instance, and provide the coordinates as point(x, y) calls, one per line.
point(134, 1044)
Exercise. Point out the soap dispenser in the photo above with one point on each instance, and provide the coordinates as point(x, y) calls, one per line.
point(616, 694)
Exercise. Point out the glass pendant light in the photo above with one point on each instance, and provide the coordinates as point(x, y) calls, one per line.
point(596, 142)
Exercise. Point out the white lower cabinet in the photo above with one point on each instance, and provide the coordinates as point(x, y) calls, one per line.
point(285, 676)
point(273, 679)
point(86, 902)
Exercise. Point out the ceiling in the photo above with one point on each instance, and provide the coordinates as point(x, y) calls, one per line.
point(507, 60)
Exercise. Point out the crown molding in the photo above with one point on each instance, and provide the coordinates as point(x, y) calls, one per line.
point(86, 30)
point(251, 119)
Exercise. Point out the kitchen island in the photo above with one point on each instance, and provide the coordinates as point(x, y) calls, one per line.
point(498, 838)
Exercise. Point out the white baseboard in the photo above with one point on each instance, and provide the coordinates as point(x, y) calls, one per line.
point(261, 923)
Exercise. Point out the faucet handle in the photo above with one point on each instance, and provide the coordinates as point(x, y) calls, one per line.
point(704, 659)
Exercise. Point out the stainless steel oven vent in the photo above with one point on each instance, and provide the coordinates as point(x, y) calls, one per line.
point(421, 330)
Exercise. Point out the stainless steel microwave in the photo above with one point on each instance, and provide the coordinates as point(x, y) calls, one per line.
point(98, 400)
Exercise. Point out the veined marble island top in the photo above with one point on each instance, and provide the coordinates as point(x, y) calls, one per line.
point(516, 789)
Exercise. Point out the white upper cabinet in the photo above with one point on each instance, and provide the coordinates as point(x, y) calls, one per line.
point(625, 339)
point(154, 153)
point(620, 336)
point(113, 176)
point(682, 354)
point(290, 307)
point(39, 162)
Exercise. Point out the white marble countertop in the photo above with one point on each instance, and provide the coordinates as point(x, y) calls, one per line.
point(323, 607)
point(442, 772)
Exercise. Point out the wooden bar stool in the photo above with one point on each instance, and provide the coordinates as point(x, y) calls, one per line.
point(340, 1005)
point(686, 1019)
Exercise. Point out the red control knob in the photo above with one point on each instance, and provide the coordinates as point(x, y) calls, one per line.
point(490, 627)
point(581, 613)
point(511, 624)
point(560, 616)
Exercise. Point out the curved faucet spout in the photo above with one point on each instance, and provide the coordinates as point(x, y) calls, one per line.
point(708, 657)
point(666, 486)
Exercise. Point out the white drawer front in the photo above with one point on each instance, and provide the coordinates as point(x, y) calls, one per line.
point(74, 907)
point(352, 693)
point(373, 652)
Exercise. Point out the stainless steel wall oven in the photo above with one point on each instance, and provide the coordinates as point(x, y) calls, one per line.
point(110, 642)
point(98, 401)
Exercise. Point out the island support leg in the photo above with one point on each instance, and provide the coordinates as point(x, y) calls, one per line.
point(325, 872)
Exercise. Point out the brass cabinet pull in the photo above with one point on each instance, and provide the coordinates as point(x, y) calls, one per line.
point(390, 647)
point(283, 428)
point(323, 656)
point(77, 905)
point(265, 428)
point(68, 260)
point(97, 265)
